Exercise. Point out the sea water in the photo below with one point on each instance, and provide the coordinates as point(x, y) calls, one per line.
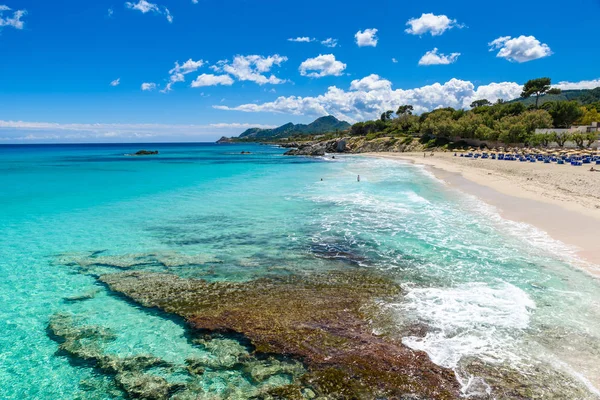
point(485, 288)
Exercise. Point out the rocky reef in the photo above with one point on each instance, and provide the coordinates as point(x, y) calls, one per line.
point(324, 320)
point(145, 376)
point(353, 145)
point(146, 153)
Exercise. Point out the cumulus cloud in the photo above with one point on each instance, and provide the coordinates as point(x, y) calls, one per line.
point(253, 68)
point(212, 80)
point(368, 37)
point(14, 20)
point(394, 60)
point(431, 23)
point(110, 12)
point(329, 42)
point(520, 49)
point(578, 85)
point(116, 82)
point(322, 65)
point(371, 83)
point(148, 86)
point(432, 57)
point(146, 7)
point(367, 97)
point(303, 39)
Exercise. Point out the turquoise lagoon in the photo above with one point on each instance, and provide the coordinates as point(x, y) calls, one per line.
point(487, 289)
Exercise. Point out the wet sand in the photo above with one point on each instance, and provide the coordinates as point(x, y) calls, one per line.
point(562, 200)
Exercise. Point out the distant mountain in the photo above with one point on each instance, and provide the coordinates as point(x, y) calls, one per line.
point(585, 96)
point(321, 125)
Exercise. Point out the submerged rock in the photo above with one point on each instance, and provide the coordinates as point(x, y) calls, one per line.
point(87, 295)
point(322, 319)
point(146, 153)
point(145, 376)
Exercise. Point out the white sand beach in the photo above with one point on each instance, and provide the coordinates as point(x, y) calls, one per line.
point(562, 200)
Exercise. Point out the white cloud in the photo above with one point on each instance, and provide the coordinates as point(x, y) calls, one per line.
point(394, 60)
point(146, 7)
point(14, 21)
point(431, 23)
point(178, 72)
point(432, 57)
point(367, 97)
point(110, 12)
point(212, 80)
point(187, 67)
point(195, 1)
point(116, 82)
point(148, 86)
point(241, 125)
point(168, 15)
point(578, 85)
point(323, 65)
point(329, 42)
point(521, 49)
point(303, 39)
point(252, 68)
point(143, 6)
point(371, 83)
point(368, 37)
point(24, 131)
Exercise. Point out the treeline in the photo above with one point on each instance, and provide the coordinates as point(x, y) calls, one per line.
point(507, 122)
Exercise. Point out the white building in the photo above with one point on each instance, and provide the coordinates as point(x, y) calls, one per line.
point(593, 127)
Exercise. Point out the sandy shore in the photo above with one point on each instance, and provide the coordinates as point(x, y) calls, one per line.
point(560, 199)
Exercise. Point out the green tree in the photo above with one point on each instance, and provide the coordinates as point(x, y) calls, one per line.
point(386, 116)
point(590, 114)
point(591, 138)
point(406, 109)
point(358, 129)
point(538, 87)
point(560, 138)
point(540, 139)
point(536, 119)
point(579, 139)
point(564, 113)
point(480, 103)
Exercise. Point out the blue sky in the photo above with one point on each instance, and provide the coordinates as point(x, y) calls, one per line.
point(58, 62)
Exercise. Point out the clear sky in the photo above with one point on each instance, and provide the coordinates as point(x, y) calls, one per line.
point(194, 70)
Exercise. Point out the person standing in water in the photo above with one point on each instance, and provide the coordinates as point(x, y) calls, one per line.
point(358, 178)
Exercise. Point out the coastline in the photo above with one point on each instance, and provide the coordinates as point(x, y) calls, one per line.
point(563, 201)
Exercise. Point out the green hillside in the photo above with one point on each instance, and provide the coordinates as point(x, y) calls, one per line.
point(321, 125)
point(586, 96)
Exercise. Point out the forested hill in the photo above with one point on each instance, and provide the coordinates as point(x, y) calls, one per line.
point(321, 125)
point(585, 96)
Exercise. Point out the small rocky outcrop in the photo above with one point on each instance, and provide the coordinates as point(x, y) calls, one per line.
point(321, 319)
point(224, 140)
point(146, 153)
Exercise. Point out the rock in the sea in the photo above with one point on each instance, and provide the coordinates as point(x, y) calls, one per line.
point(146, 152)
point(321, 319)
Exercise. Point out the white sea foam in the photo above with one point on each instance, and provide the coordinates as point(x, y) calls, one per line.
point(472, 319)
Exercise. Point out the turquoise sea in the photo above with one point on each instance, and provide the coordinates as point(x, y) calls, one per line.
point(487, 289)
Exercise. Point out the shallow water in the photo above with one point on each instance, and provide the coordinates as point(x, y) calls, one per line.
point(487, 289)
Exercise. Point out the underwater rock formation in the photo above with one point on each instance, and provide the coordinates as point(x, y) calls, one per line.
point(322, 319)
point(149, 377)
